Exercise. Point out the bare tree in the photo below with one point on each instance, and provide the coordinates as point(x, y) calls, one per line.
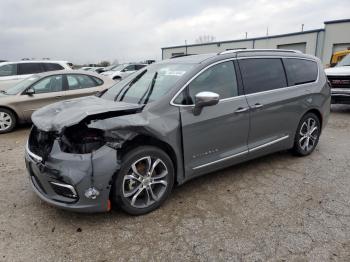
point(105, 63)
point(205, 39)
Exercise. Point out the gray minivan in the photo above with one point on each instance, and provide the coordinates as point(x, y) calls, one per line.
point(173, 121)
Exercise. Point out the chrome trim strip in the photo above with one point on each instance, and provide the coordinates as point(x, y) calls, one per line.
point(222, 159)
point(71, 188)
point(241, 58)
point(242, 153)
point(32, 155)
point(269, 143)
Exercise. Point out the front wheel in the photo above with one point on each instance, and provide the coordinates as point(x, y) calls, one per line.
point(307, 136)
point(144, 181)
point(7, 121)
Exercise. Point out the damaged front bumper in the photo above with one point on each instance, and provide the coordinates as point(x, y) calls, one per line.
point(78, 182)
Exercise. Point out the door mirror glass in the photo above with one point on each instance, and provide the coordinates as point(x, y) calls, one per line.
point(30, 91)
point(203, 99)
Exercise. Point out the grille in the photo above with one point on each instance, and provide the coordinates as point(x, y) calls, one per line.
point(64, 190)
point(40, 142)
point(339, 81)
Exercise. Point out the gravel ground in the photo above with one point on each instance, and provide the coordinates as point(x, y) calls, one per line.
point(275, 208)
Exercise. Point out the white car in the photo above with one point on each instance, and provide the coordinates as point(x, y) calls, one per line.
point(339, 77)
point(13, 72)
point(119, 72)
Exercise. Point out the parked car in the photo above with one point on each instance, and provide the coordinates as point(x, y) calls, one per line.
point(173, 121)
point(13, 72)
point(339, 77)
point(121, 71)
point(98, 70)
point(19, 102)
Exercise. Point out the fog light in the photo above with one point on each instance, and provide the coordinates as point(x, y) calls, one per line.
point(92, 193)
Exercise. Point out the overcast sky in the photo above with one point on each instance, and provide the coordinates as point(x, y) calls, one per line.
point(88, 31)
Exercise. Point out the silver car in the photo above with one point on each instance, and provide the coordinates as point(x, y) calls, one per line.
point(119, 72)
point(173, 121)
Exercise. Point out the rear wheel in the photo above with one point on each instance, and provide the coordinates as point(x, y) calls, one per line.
point(307, 136)
point(7, 121)
point(144, 181)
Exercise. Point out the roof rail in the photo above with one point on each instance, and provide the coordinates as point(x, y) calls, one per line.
point(259, 50)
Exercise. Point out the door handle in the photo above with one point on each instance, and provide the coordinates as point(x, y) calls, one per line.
point(241, 110)
point(58, 96)
point(257, 105)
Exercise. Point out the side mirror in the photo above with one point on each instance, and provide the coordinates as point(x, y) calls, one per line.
point(203, 99)
point(30, 91)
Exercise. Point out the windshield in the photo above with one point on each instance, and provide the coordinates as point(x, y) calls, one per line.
point(345, 61)
point(150, 84)
point(21, 86)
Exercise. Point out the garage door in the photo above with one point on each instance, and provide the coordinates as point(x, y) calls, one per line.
point(340, 47)
point(296, 46)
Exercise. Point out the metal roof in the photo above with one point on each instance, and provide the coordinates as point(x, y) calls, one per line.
point(248, 39)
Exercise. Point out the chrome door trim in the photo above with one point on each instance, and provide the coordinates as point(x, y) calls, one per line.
point(220, 160)
point(269, 143)
point(242, 153)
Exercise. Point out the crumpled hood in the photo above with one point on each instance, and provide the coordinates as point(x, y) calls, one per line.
point(63, 114)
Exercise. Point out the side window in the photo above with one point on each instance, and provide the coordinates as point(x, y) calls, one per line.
point(300, 71)
point(98, 81)
point(262, 74)
point(8, 70)
point(130, 68)
point(138, 67)
point(80, 81)
point(49, 84)
point(29, 68)
point(52, 66)
point(73, 82)
point(220, 79)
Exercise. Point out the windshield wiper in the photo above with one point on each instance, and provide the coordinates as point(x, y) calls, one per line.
point(126, 88)
point(149, 90)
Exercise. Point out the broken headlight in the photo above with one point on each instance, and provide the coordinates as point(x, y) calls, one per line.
point(81, 140)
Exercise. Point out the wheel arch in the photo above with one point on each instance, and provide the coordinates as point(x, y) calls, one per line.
point(317, 113)
point(146, 140)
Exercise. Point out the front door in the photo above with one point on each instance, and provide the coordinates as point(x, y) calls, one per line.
point(47, 91)
point(217, 137)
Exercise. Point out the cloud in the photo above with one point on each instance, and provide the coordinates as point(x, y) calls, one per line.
point(88, 31)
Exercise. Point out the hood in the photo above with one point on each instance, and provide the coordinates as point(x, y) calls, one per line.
point(56, 117)
point(338, 71)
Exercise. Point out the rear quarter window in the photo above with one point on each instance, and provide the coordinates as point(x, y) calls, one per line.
point(300, 71)
point(52, 67)
point(262, 74)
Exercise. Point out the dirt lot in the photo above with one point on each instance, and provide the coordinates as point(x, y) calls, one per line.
point(278, 207)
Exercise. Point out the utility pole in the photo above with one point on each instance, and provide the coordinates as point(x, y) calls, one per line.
point(246, 35)
point(186, 46)
point(302, 27)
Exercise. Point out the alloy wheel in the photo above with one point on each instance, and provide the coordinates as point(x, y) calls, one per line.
point(308, 134)
point(5, 121)
point(146, 182)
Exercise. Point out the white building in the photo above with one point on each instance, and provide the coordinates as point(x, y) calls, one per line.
point(335, 36)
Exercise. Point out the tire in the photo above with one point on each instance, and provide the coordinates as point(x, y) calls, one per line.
point(8, 121)
point(137, 190)
point(307, 135)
